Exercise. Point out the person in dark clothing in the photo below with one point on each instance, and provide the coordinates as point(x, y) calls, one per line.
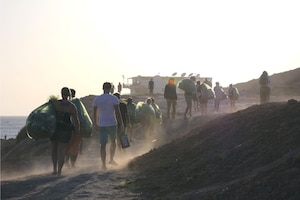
point(73, 93)
point(124, 113)
point(131, 117)
point(264, 81)
point(189, 100)
point(74, 146)
point(67, 124)
point(151, 86)
point(170, 95)
point(119, 88)
point(220, 95)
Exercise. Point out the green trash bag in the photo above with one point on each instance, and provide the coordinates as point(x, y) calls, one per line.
point(41, 123)
point(206, 92)
point(187, 85)
point(144, 112)
point(86, 124)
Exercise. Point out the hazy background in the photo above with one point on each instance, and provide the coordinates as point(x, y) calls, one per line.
point(48, 44)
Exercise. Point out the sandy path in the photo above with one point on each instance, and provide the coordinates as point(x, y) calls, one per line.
point(86, 181)
point(83, 184)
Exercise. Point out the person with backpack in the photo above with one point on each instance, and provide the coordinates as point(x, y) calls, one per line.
point(264, 81)
point(75, 145)
point(233, 95)
point(195, 97)
point(188, 95)
point(124, 113)
point(203, 100)
point(131, 117)
point(220, 95)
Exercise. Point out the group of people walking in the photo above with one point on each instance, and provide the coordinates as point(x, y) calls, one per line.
point(111, 116)
point(199, 95)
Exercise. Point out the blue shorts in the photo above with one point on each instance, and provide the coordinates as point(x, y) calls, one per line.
point(105, 132)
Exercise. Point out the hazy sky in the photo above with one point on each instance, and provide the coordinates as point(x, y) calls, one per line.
point(48, 44)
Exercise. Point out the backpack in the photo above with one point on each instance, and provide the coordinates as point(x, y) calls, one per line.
point(187, 85)
point(224, 95)
point(235, 93)
point(207, 92)
point(264, 79)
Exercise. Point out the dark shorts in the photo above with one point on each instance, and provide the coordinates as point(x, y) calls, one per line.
point(107, 132)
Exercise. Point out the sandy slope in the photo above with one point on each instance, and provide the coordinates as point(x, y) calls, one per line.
point(218, 158)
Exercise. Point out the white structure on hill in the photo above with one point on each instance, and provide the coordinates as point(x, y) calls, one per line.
point(139, 85)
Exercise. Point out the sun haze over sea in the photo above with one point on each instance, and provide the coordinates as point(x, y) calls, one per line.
point(46, 45)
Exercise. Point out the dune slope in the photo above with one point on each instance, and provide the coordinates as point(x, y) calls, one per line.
point(251, 154)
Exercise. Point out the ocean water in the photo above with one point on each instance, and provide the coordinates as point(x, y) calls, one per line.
point(11, 125)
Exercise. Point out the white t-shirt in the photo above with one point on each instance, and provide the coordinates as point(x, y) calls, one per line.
point(105, 109)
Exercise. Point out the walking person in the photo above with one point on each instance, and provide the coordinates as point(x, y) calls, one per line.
point(264, 81)
point(75, 145)
point(149, 118)
point(170, 95)
point(220, 95)
point(189, 99)
point(66, 125)
point(151, 86)
point(124, 113)
point(131, 117)
point(233, 95)
point(197, 95)
point(119, 88)
point(107, 116)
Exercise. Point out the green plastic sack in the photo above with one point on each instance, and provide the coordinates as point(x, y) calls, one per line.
point(86, 124)
point(206, 92)
point(158, 113)
point(144, 112)
point(187, 85)
point(41, 123)
point(235, 93)
point(131, 112)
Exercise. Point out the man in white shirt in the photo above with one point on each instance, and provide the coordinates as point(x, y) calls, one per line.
point(107, 115)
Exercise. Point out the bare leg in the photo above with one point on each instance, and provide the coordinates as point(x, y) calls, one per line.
point(103, 155)
point(67, 159)
point(54, 156)
point(61, 157)
point(73, 159)
point(112, 150)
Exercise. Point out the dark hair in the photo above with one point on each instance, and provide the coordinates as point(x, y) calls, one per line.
point(65, 92)
point(129, 100)
point(73, 92)
point(106, 86)
point(117, 95)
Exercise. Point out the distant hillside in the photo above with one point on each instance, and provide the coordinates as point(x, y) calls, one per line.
point(282, 84)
